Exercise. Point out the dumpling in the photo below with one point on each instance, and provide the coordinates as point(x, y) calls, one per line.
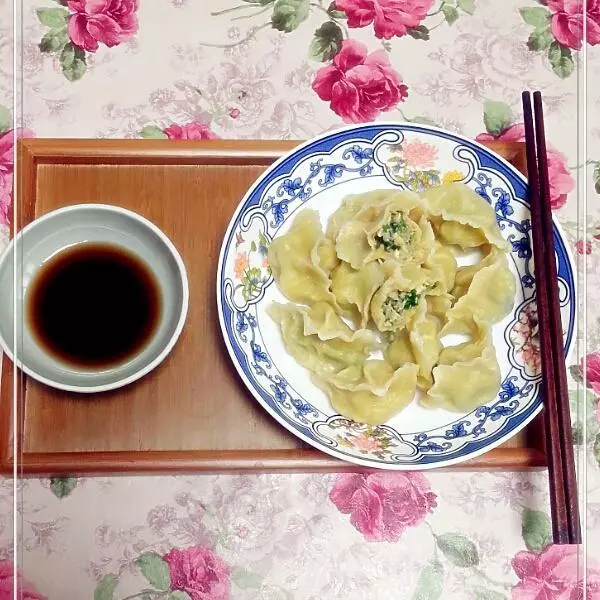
point(442, 263)
point(458, 203)
point(489, 299)
point(462, 386)
point(300, 260)
point(399, 351)
point(378, 392)
point(423, 332)
point(354, 289)
point(351, 205)
point(318, 341)
point(320, 319)
point(396, 229)
point(464, 275)
point(481, 337)
point(418, 343)
point(439, 305)
point(458, 234)
point(396, 301)
point(326, 255)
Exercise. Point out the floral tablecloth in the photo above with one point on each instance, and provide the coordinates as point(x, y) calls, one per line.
point(291, 69)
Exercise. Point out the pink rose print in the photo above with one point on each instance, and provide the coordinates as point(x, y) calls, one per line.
point(419, 155)
point(107, 21)
point(389, 17)
point(195, 130)
point(583, 247)
point(199, 572)
point(359, 86)
point(382, 505)
point(25, 590)
point(555, 574)
point(561, 180)
point(567, 21)
point(592, 374)
point(7, 141)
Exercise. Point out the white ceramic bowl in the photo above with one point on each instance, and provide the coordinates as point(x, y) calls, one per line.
point(63, 228)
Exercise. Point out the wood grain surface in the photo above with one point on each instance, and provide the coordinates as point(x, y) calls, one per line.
point(192, 413)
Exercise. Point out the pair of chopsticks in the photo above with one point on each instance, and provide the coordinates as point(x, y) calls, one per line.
point(559, 439)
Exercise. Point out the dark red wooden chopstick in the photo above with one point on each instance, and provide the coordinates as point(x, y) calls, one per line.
point(559, 439)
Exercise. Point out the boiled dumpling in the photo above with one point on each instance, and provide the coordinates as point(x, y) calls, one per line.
point(396, 301)
point(464, 385)
point(399, 351)
point(351, 205)
point(489, 299)
point(396, 229)
point(418, 343)
point(327, 258)
point(423, 332)
point(299, 261)
point(442, 263)
point(376, 393)
point(458, 203)
point(464, 275)
point(318, 341)
point(439, 305)
point(481, 337)
point(354, 289)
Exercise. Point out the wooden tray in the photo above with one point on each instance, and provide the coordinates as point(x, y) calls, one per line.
point(192, 413)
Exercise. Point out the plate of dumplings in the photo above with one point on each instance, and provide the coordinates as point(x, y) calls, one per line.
point(376, 294)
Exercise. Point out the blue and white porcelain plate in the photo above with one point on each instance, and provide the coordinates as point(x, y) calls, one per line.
point(318, 174)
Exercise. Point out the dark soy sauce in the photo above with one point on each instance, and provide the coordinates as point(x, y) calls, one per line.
point(93, 305)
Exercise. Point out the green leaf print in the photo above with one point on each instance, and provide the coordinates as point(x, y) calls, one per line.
point(259, 2)
point(561, 59)
point(72, 62)
point(155, 570)
point(419, 33)
point(327, 42)
point(583, 432)
point(597, 448)
point(537, 16)
point(288, 14)
point(450, 13)
point(53, 41)
point(467, 6)
point(458, 549)
point(497, 117)
point(540, 39)
point(430, 583)
point(106, 588)
point(335, 13)
point(62, 486)
point(423, 121)
point(153, 132)
point(485, 594)
point(575, 372)
point(5, 119)
point(246, 580)
point(251, 283)
point(536, 530)
point(53, 17)
point(596, 176)
point(178, 595)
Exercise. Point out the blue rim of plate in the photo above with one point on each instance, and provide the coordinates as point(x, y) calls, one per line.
point(327, 143)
